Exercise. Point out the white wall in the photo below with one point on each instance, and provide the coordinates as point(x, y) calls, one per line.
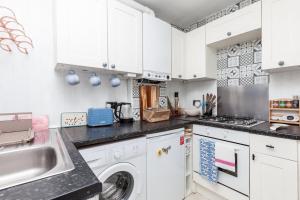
point(190, 91)
point(29, 82)
point(195, 90)
point(284, 84)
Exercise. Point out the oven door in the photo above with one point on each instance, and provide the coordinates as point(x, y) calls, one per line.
point(238, 181)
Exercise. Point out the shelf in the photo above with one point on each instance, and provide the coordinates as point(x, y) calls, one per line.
point(286, 109)
point(284, 122)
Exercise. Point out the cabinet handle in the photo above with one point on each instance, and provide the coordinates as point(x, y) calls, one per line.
point(179, 76)
point(104, 65)
point(281, 63)
point(228, 34)
point(270, 146)
point(195, 76)
point(253, 157)
point(166, 150)
point(113, 66)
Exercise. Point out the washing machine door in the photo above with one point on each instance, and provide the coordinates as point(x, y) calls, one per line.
point(120, 182)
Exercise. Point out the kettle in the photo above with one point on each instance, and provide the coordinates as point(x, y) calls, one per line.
point(124, 111)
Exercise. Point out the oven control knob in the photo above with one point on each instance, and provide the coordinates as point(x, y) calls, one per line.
point(117, 155)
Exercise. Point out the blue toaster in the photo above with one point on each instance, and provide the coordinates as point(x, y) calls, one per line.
point(100, 117)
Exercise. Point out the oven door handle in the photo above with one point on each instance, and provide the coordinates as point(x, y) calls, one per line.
point(235, 174)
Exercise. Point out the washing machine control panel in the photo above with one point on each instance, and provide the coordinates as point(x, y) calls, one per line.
point(103, 155)
point(118, 155)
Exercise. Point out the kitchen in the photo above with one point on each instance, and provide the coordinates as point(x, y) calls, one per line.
point(136, 100)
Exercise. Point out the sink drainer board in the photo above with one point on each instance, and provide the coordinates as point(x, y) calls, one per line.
point(13, 138)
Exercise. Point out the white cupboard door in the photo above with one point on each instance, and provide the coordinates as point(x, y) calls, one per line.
point(240, 22)
point(157, 44)
point(195, 56)
point(280, 33)
point(165, 171)
point(178, 53)
point(124, 37)
point(81, 31)
point(273, 178)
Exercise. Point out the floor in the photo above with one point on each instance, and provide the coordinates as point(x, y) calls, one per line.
point(196, 197)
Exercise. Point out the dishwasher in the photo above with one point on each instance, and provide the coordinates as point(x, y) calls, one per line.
point(166, 165)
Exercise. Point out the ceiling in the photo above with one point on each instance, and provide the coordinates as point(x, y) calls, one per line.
point(184, 13)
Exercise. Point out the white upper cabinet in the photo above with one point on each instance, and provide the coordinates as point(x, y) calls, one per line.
point(157, 44)
point(200, 61)
point(242, 25)
point(178, 54)
point(125, 26)
point(81, 32)
point(99, 34)
point(280, 33)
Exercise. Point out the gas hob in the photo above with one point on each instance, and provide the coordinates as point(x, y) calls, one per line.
point(234, 121)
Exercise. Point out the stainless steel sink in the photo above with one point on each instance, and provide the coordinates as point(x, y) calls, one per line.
point(46, 156)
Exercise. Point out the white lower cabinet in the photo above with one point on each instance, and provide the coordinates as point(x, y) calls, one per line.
point(166, 166)
point(272, 177)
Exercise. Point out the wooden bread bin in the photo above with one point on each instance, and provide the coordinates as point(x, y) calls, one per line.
point(156, 115)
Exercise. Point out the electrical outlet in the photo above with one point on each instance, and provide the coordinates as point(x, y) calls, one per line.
point(70, 119)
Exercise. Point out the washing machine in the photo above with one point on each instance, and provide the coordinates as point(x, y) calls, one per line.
point(120, 167)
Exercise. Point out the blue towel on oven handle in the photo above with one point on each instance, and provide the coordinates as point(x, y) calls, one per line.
point(208, 168)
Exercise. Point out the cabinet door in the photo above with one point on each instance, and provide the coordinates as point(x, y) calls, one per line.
point(195, 54)
point(81, 31)
point(273, 178)
point(124, 37)
point(242, 21)
point(178, 53)
point(280, 33)
point(157, 44)
point(165, 170)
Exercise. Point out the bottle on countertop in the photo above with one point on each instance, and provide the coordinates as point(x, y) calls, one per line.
point(176, 102)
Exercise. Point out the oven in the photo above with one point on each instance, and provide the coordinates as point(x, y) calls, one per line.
point(238, 181)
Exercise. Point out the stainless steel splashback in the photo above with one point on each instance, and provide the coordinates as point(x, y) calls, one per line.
point(244, 101)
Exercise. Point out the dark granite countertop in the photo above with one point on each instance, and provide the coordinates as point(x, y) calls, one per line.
point(86, 136)
point(79, 183)
point(261, 129)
